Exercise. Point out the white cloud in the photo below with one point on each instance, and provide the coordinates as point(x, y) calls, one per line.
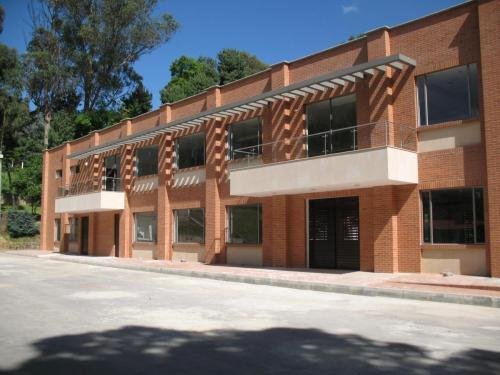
point(349, 9)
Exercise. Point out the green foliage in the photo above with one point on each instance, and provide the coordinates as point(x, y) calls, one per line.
point(27, 181)
point(63, 127)
point(21, 224)
point(234, 64)
point(137, 102)
point(191, 76)
point(102, 39)
point(88, 121)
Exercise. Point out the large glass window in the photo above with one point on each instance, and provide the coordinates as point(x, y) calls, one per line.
point(190, 225)
point(147, 161)
point(325, 121)
point(73, 228)
point(190, 150)
point(245, 224)
point(145, 227)
point(448, 95)
point(112, 173)
point(453, 216)
point(245, 139)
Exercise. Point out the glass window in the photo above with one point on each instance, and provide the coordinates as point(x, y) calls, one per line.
point(190, 225)
point(147, 161)
point(73, 228)
point(245, 139)
point(325, 121)
point(245, 224)
point(57, 230)
point(58, 173)
point(75, 169)
point(190, 151)
point(145, 227)
point(448, 95)
point(453, 216)
point(112, 173)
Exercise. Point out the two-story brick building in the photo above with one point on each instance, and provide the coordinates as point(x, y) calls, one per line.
point(380, 154)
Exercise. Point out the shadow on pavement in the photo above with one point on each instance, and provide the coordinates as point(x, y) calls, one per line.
point(146, 350)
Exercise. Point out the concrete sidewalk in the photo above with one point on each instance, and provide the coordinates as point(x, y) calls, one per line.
point(470, 290)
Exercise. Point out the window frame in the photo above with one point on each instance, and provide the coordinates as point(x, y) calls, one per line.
point(176, 225)
point(430, 207)
point(58, 174)
point(231, 137)
point(155, 232)
point(137, 161)
point(57, 230)
point(229, 225)
point(177, 142)
point(73, 229)
point(472, 112)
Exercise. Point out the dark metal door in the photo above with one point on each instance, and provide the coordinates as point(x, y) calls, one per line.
point(321, 233)
point(84, 241)
point(347, 233)
point(334, 233)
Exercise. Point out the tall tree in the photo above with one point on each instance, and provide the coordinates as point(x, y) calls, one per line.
point(137, 102)
point(189, 76)
point(49, 79)
point(102, 39)
point(234, 64)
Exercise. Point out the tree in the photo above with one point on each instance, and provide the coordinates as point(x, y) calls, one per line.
point(2, 16)
point(49, 80)
point(189, 76)
point(102, 39)
point(137, 102)
point(234, 64)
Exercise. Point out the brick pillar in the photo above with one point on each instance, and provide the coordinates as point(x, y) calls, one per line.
point(47, 219)
point(164, 214)
point(66, 179)
point(92, 233)
point(279, 242)
point(126, 221)
point(385, 231)
point(214, 134)
point(489, 29)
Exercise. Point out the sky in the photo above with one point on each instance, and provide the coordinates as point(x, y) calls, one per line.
point(273, 30)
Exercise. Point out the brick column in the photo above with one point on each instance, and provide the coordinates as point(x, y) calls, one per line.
point(46, 235)
point(126, 221)
point(213, 164)
point(65, 182)
point(164, 214)
point(385, 229)
point(489, 30)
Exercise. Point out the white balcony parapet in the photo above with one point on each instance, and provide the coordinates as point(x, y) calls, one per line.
point(355, 157)
point(87, 197)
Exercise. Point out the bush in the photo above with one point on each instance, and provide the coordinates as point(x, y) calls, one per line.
point(21, 224)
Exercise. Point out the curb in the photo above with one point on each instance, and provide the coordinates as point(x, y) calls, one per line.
point(476, 300)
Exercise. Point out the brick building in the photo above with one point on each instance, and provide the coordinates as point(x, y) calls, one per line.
point(380, 154)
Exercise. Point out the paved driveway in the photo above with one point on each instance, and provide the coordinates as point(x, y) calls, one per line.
point(66, 318)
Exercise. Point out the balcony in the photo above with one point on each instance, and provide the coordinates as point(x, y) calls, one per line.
point(87, 196)
point(361, 156)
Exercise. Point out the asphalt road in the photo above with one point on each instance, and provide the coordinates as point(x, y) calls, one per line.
point(65, 318)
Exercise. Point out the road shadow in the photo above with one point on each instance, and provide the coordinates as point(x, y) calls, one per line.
point(146, 350)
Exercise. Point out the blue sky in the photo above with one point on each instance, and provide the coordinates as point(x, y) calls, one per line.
point(274, 30)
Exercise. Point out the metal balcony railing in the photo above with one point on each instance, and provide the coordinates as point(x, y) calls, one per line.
point(85, 187)
point(347, 139)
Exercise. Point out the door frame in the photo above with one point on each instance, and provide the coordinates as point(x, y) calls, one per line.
point(307, 200)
